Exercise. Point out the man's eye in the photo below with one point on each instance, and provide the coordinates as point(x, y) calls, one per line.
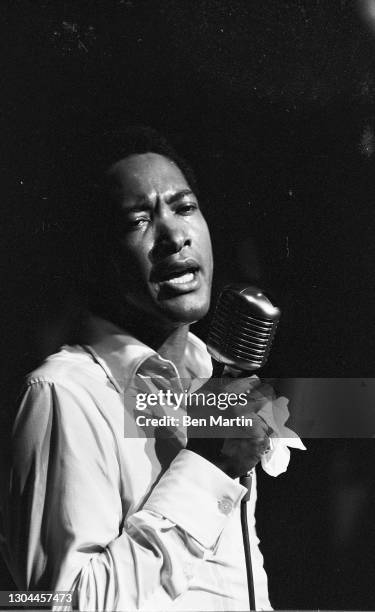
point(138, 222)
point(187, 209)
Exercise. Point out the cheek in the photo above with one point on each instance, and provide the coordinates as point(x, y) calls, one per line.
point(136, 260)
point(206, 246)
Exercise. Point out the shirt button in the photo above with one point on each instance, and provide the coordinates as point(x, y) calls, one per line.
point(225, 505)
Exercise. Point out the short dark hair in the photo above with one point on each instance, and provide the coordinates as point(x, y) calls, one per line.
point(109, 146)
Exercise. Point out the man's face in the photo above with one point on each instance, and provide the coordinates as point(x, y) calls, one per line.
point(164, 257)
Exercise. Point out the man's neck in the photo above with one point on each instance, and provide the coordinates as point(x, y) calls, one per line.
point(167, 340)
point(173, 348)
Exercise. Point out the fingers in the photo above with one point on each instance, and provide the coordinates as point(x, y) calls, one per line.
point(242, 454)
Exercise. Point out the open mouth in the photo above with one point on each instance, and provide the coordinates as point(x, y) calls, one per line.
point(185, 282)
point(180, 277)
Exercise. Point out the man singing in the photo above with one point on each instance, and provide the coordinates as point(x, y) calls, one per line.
point(133, 523)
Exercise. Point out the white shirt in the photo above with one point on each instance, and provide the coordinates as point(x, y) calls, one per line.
point(90, 510)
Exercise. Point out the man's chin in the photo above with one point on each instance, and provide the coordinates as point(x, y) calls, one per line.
point(185, 309)
point(173, 311)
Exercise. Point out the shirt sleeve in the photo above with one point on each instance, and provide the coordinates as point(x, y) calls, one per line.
point(64, 514)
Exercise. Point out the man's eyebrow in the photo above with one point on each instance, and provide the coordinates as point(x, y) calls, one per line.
point(179, 195)
point(140, 204)
point(143, 203)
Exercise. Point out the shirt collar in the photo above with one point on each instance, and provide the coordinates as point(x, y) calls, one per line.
point(122, 356)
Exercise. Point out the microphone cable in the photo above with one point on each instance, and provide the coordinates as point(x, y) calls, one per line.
point(246, 482)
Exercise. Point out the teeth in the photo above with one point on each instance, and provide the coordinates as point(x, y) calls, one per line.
point(180, 280)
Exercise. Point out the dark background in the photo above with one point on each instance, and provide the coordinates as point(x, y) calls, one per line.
point(273, 104)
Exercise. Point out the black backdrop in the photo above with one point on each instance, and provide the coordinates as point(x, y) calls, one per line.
point(273, 103)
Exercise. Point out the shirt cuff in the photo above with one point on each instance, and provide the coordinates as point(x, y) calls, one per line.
point(197, 496)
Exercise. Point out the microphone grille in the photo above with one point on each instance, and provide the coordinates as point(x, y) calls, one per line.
point(243, 327)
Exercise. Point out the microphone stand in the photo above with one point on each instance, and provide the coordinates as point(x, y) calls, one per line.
point(246, 482)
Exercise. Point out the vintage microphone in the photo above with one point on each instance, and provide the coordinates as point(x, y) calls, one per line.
point(243, 328)
point(240, 336)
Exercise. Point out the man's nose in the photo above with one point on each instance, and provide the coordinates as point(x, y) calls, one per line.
point(171, 236)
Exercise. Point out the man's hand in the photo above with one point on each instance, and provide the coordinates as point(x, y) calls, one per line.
point(235, 455)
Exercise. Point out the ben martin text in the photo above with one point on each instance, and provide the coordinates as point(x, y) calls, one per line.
point(187, 421)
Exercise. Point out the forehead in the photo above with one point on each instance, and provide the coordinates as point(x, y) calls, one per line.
point(146, 174)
